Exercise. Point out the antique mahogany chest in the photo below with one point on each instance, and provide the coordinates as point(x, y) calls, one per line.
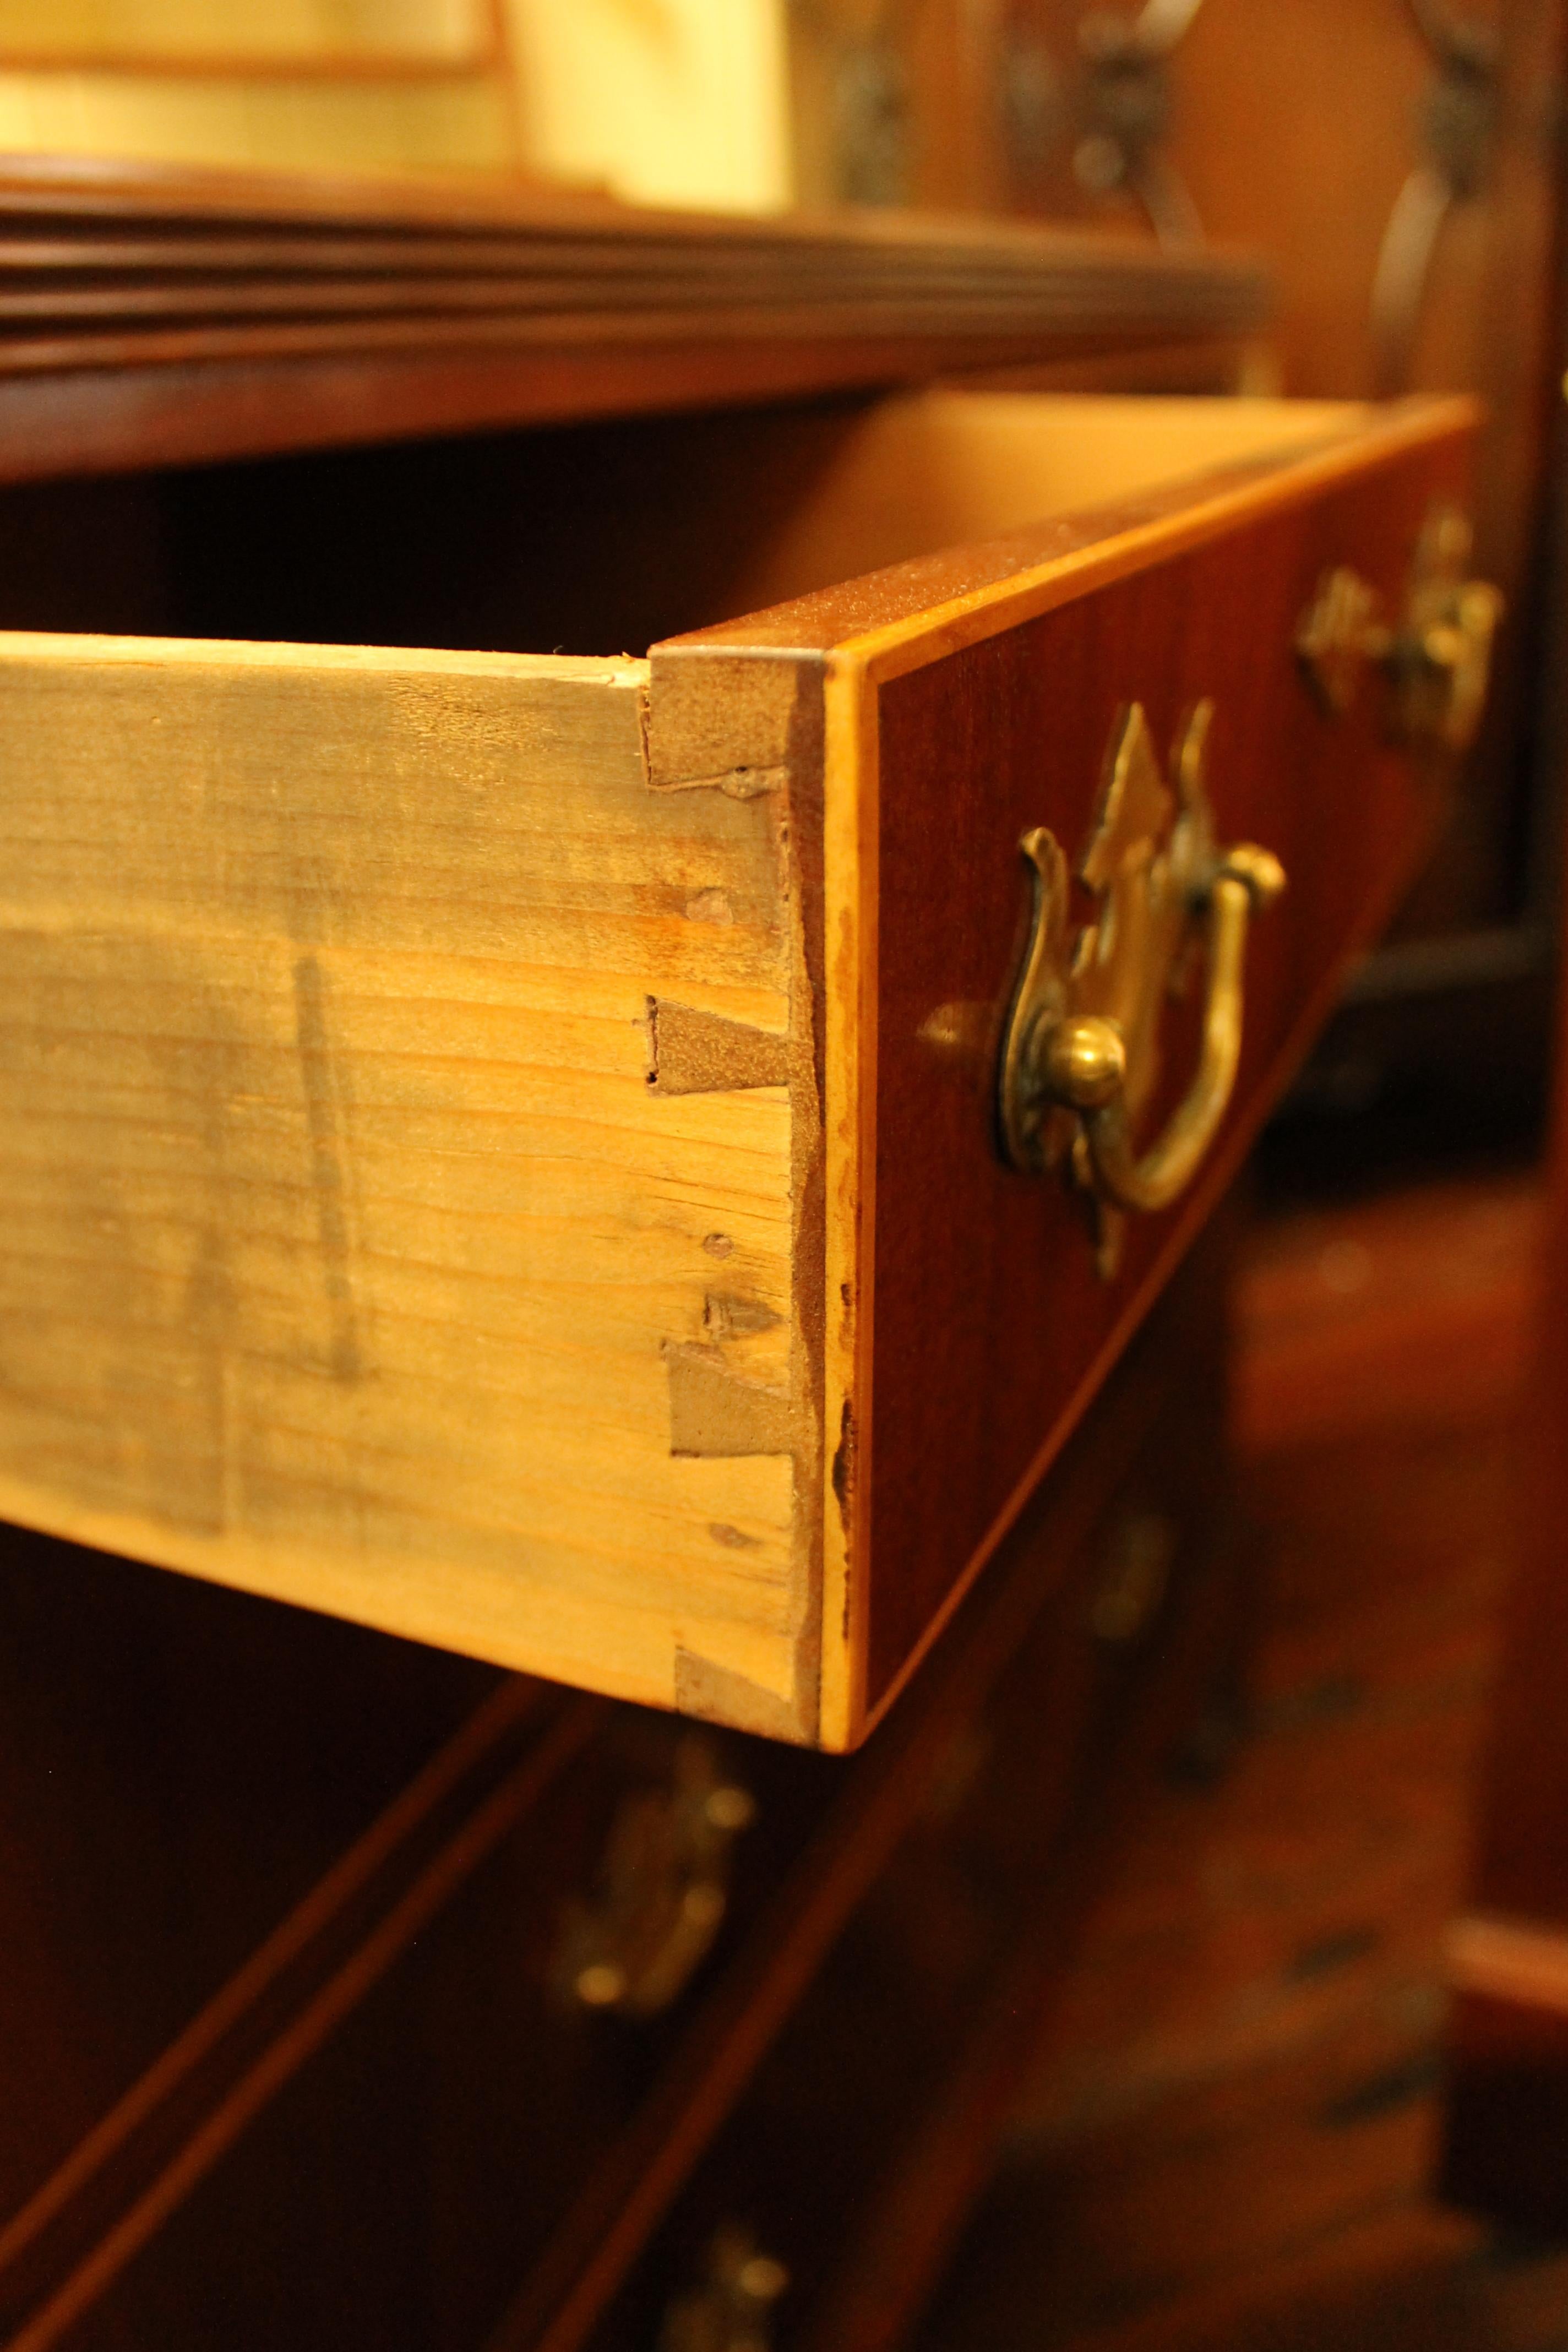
point(628, 1167)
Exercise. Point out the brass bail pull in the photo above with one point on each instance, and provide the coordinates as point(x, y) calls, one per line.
point(1080, 1054)
point(1083, 1063)
point(1437, 659)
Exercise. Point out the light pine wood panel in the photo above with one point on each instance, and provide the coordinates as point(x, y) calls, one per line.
point(348, 1253)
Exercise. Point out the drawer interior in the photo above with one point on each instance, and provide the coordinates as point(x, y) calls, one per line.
point(921, 471)
point(603, 537)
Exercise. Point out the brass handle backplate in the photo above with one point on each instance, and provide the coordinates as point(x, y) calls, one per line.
point(1436, 658)
point(1081, 1053)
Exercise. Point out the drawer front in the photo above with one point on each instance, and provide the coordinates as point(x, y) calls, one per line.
point(390, 2108)
point(951, 706)
point(988, 1316)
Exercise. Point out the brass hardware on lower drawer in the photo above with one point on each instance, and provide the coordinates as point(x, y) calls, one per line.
point(1080, 1056)
point(732, 2309)
point(1136, 1575)
point(663, 1890)
point(1439, 659)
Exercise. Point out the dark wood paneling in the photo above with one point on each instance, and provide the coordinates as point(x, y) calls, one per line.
point(186, 412)
point(1225, 2142)
point(1295, 124)
point(413, 2132)
point(1505, 2135)
point(178, 1766)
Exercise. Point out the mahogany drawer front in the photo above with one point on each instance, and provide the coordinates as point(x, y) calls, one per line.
point(180, 1766)
point(381, 2120)
point(984, 1271)
point(472, 1160)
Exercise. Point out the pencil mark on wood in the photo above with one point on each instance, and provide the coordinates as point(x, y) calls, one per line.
point(726, 1315)
point(732, 1539)
point(328, 1166)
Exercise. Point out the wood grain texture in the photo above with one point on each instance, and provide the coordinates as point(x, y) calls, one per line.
point(154, 316)
point(124, 2187)
point(346, 1232)
point(1195, 490)
point(202, 1760)
point(868, 2126)
point(403, 2131)
point(908, 618)
point(1313, 185)
point(186, 411)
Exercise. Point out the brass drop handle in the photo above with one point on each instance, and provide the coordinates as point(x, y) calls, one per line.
point(663, 1893)
point(1437, 658)
point(731, 2308)
point(1082, 1063)
point(1140, 1555)
point(1081, 1050)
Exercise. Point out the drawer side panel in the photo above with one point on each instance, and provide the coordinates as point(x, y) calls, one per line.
point(350, 1249)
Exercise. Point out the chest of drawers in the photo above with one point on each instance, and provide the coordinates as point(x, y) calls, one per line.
point(611, 1163)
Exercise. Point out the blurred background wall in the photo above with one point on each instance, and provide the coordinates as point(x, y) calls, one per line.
point(1393, 159)
point(681, 101)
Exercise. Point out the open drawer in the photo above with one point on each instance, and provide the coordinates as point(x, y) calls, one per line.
point(507, 1148)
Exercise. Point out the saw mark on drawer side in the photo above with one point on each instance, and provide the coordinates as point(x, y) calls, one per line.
point(321, 1079)
point(693, 1053)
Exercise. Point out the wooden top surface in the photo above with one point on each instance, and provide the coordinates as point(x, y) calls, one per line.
point(362, 309)
point(129, 192)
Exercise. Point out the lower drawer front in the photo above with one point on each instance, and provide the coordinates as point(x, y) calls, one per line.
point(392, 2123)
point(446, 2101)
point(849, 2163)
